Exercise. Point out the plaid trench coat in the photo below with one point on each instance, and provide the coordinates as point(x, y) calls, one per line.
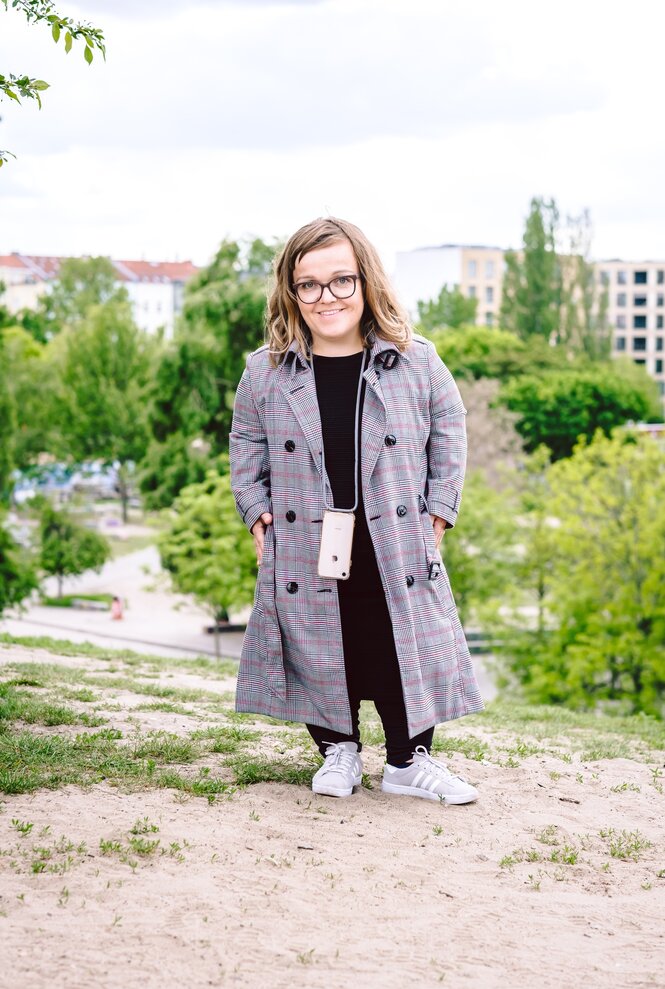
point(413, 455)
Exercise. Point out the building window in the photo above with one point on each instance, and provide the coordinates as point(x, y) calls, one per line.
point(621, 322)
point(639, 300)
point(621, 277)
point(489, 269)
point(621, 299)
point(471, 269)
point(489, 319)
point(489, 294)
point(639, 360)
point(639, 343)
point(659, 366)
point(639, 322)
point(620, 343)
point(660, 299)
point(659, 322)
point(472, 291)
point(659, 343)
point(660, 276)
point(640, 277)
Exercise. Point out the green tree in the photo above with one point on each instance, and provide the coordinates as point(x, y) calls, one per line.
point(557, 407)
point(607, 585)
point(17, 576)
point(489, 352)
point(584, 326)
point(105, 367)
point(207, 549)
point(191, 397)
point(477, 552)
point(81, 284)
point(32, 382)
point(7, 423)
point(450, 308)
point(532, 282)
point(17, 87)
point(67, 548)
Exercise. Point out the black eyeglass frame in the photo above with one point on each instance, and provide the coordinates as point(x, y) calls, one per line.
point(311, 302)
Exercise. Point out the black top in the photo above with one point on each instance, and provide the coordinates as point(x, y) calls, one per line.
point(336, 391)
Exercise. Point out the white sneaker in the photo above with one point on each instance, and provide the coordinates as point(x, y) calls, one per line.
point(425, 777)
point(341, 771)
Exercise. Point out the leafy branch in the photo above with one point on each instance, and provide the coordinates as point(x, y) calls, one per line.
point(15, 87)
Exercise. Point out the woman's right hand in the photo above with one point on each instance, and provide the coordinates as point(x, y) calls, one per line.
point(259, 532)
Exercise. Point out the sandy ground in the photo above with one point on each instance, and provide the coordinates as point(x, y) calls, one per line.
point(274, 886)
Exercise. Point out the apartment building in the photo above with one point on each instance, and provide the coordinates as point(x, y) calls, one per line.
point(155, 288)
point(636, 310)
point(476, 270)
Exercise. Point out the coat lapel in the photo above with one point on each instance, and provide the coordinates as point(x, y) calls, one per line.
point(299, 388)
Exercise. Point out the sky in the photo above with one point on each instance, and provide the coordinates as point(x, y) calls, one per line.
point(422, 121)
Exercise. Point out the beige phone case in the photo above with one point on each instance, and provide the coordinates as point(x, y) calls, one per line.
point(336, 542)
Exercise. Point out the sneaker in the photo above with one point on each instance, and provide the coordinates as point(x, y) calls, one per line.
point(425, 777)
point(341, 771)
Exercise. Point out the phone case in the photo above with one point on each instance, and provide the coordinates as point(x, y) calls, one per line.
point(336, 543)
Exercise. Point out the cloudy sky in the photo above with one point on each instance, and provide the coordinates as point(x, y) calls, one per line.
point(423, 121)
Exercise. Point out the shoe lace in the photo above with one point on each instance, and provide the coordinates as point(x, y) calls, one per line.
point(338, 757)
point(435, 767)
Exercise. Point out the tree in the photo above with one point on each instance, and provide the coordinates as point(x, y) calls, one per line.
point(531, 300)
point(477, 552)
point(66, 547)
point(7, 423)
point(191, 397)
point(489, 352)
point(31, 380)
point(105, 366)
point(584, 326)
point(81, 284)
point(607, 584)
point(207, 549)
point(557, 407)
point(16, 87)
point(450, 308)
point(17, 576)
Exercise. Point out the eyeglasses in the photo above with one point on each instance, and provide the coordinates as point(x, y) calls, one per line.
point(341, 287)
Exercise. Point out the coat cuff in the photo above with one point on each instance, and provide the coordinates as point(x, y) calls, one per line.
point(443, 501)
point(251, 515)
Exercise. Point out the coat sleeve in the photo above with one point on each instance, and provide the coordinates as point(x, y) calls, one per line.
point(249, 456)
point(446, 449)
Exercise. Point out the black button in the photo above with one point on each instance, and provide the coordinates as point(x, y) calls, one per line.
point(292, 587)
point(409, 581)
point(290, 516)
point(290, 446)
point(390, 440)
point(401, 511)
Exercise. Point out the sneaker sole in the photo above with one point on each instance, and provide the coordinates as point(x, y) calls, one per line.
point(332, 791)
point(417, 791)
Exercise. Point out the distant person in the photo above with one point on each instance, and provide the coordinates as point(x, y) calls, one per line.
point(348, 439)
point(116, 609)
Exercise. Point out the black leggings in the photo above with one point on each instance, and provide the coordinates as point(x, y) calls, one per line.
point(399, 747)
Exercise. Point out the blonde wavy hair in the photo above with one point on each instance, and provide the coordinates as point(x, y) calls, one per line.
point(383, 315)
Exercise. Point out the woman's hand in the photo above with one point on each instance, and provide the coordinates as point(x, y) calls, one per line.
point(259, 532)
point(439, 529)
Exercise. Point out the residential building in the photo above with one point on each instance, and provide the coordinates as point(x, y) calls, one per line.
point(476, 270)
point(155, 288)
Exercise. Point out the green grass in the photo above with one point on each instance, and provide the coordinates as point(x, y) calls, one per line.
point(466, 745)
point(67, 600)
point(21, 705)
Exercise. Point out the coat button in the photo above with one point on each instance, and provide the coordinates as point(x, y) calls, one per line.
point(292, 587)
point(409, 581)
point(390, 440)
point(401, 511)
point(290, 446)
point(290, 516)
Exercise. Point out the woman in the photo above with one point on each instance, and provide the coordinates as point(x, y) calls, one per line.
point(345, 411)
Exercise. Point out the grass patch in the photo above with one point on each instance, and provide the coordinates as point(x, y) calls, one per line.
point(166, 707)
point(21, 705)
point(247, 772)
point(69, 600)
point(469, 746)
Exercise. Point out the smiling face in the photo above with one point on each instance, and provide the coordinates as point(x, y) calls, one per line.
point(333, 323)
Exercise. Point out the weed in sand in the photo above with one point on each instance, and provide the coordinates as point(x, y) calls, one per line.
point(253, 816)
point(625, 844)
point(469, 746)
point(533, 882)
point(437, 830)
point(64, 897)
point(20, 705)
point(656, 777)
point(646, 884)
point(622, 787)
point(143, 825)
point(660, 874)
point(306, 957)
point(23, 827)
point(143, 846)
point(554, 775)
point(567, 855)
point(549, 835)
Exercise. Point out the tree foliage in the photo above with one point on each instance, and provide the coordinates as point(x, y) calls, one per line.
point(557, 407)
point(489, 352)
point(191, 397)
point(583, 325)
point(532, 282)
point(32, 382)
point(17, 576)
point(7, 422)
point(605, 590)
point(67, 548)
point(450, 308)
point(81, 284)
point(18, 87)
point(207, 549)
